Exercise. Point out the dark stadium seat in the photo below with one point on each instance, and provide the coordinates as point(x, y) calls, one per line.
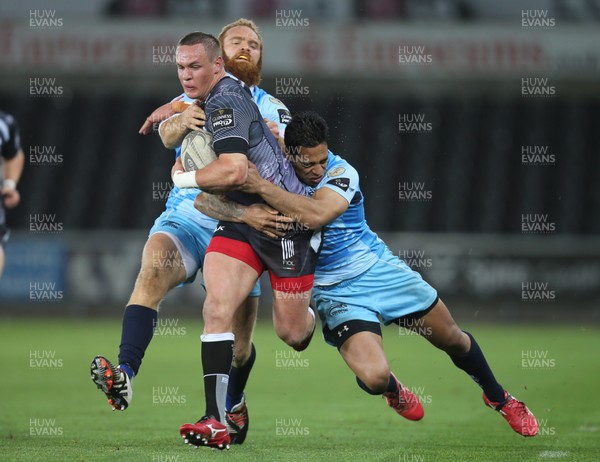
point(470, 161)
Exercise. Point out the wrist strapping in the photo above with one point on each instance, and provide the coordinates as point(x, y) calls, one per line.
point(185, 180)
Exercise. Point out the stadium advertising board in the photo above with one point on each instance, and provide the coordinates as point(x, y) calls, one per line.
point(369, 50)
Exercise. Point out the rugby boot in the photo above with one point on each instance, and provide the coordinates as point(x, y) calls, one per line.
point(518, 416)
point(208, 431)
point(404, 402)
point(113, 381)
point(237, 422)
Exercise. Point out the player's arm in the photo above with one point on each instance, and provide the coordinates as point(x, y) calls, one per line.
point(274, 129)
point(277, 116)
point(259, 216)
point(229, 117)
point(13, 168)
point(324, 206)
point(173, 130)
point(158, 115)
point(226, 173)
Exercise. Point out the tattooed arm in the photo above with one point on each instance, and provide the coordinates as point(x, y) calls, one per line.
point(219, 207)
point(259, 216)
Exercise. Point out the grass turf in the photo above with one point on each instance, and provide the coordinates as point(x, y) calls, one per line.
point(303, 406)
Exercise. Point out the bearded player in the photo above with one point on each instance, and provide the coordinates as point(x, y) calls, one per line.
point(177, 243)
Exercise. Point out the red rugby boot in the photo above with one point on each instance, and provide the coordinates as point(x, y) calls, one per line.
point(208, 431)
point(404, 402)
point(237, 422)
point(516, 414)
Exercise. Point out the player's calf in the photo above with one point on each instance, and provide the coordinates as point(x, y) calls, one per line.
point(374, 380)
point(162, 269)
point(153, 284)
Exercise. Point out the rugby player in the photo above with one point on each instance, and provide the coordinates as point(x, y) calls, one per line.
point(242, 47)
point(12, 161)
point(358, 280)
point(237, 253)
point(178, 240)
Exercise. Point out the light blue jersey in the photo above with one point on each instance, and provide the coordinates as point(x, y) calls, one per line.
point(271, 108)
point(190, 229)
point(181, 201)
point(357, 277)
point(349, 245)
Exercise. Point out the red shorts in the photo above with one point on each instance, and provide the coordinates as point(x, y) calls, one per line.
point(290, 261)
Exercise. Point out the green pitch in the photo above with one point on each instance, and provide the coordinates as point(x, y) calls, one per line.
point(303, 407)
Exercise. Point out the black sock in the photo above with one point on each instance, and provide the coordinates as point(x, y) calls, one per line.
point(391, 387)
point(138, 329)
point(217, 355)
point(474, 364)
point(238, 377)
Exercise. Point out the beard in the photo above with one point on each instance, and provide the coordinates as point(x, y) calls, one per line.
point(246, 71)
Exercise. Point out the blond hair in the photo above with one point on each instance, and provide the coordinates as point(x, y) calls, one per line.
point(241, 22)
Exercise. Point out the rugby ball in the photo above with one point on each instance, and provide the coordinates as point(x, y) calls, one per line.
point(197, 150)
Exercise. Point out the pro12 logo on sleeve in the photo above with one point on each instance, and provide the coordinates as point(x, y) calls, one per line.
point(342, 183)
point(222, 118)
point(284, 116)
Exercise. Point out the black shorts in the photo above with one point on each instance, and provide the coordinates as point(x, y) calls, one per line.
point(290, 261)
point(408, 320)
point(342, 332)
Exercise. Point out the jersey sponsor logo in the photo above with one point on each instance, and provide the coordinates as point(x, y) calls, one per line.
point(222, 118)
point(342, 183)
point(336, 171)
point(337, 309)
point(276, 101)
point(284, 116)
